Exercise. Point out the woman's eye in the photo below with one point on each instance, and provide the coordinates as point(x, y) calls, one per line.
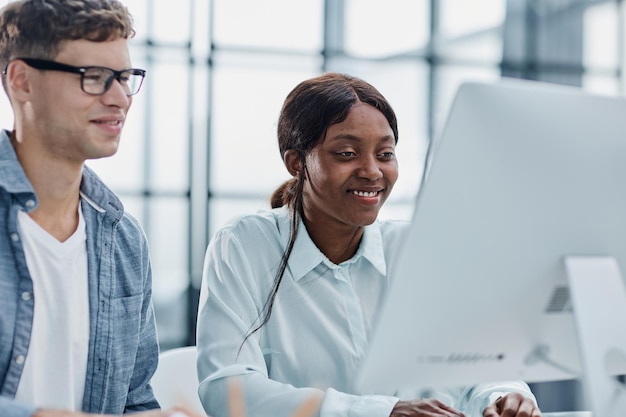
point(387, 155)
point(347, 153)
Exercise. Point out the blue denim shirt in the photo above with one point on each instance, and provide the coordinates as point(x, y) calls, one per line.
point(123, 349)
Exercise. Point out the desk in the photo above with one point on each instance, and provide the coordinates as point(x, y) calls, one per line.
point(568, 414)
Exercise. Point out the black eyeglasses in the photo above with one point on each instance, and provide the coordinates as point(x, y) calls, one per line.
point(94, 80)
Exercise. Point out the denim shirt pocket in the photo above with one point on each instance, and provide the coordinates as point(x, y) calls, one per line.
point(125, 333)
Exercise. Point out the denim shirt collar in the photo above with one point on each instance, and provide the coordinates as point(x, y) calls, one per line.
point(13, 179)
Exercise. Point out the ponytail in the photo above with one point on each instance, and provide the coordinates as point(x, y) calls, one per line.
point(285, 194)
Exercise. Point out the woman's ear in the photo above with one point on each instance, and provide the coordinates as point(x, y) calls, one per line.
point(292, 161)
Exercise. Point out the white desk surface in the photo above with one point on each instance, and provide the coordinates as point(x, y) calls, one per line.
point(568, 414)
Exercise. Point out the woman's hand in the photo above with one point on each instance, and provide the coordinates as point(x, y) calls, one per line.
point(512, 405)
point(424, 408)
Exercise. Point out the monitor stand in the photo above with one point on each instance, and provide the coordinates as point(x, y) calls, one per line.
point(598, 298)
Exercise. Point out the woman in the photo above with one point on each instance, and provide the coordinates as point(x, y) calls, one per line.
point(289, 295)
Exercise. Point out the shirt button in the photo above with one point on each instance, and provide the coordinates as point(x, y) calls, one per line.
point(30, 203)
point(19, 359)
point(15, 237)
point(26, 296)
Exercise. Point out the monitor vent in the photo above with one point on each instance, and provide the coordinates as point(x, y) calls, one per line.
point(560, 301)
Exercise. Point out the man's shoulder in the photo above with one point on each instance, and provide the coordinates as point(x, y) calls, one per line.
point(130, 222)
point(100, 200)
point(99, 195)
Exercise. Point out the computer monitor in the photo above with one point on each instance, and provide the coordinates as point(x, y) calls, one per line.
point(526, 181)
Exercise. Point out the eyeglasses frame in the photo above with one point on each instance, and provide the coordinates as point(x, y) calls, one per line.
point(43, 64)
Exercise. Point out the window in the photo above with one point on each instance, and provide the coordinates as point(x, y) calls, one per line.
point(200, 145)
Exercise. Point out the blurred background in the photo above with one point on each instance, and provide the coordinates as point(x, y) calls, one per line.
point(200, 146)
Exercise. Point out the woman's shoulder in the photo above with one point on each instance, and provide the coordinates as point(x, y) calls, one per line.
point(262, 225)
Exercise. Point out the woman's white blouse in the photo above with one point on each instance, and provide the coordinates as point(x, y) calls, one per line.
point(319, 329)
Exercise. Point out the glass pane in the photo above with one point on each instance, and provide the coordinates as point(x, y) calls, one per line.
point(6, 112)
point(462, 17)
point(135, 206)
point(171, 315)
point(448, 80)
point(167, 230)
point(375, 28)
point(484, 46)
point(600, 36)
point(169, 134)
point(283, 24)
point(470, 30)
point(140, 11)
point(223, 210)
point(200, 41)
point(170, 21)
point(246, 105)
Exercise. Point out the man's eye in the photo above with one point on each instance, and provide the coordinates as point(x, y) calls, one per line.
point(95, 76)
point(125, 77)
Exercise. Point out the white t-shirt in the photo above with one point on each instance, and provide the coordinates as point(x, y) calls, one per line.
point(56, 364)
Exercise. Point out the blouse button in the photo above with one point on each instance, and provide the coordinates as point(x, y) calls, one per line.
point(15, 237)
point(26, 296)
point(19, 359)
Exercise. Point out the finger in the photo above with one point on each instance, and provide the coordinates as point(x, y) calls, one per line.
point(509, 406)
point(491, 411)
point(452, 410)
point(528, 408)
point(435, 407)
point(515, 405)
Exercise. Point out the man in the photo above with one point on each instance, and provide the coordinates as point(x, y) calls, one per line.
point(77, 330)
